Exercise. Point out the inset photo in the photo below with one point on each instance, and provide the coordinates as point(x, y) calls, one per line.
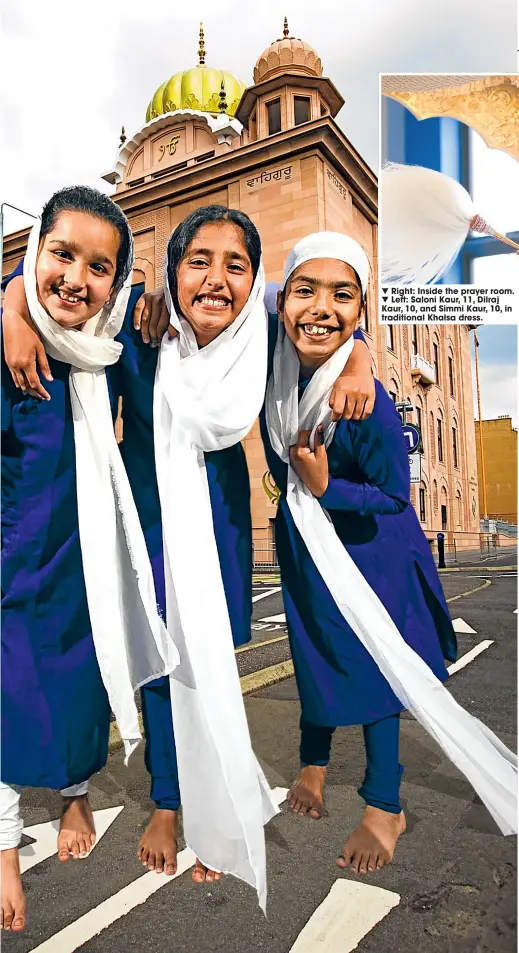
point(449, 183)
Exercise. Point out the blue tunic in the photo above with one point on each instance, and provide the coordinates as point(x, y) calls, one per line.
point(55, 712)
point(227, 474)
point(368, 501)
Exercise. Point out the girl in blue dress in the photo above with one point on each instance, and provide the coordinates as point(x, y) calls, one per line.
point(345, 505)
point(68, 653)
point(133, 378)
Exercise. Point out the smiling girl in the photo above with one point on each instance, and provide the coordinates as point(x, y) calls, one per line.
point(213, 264)
point(72, 546)
point(367, 619)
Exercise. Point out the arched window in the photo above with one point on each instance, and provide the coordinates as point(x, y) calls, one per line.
point(455, 455)
point(432, 441)
point(436, 358)
point(459, 509)
point(435, 497)
point(393, 390)
point(450, 368)
point(422, 503)
point(419, 421)
point(443, 504)
point(440, 439)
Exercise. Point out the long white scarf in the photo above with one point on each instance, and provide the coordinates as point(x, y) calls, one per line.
point(206, 400)
point(131, 642)
point(489, 766)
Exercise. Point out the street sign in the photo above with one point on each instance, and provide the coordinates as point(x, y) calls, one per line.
point(415, 467)
point(412, 436)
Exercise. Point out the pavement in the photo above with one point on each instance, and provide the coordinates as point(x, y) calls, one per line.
point(453, 880)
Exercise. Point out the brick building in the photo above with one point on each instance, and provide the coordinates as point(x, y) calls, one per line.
point(500, 457)
point(275, 151)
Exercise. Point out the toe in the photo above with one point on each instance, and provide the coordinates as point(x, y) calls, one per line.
point(151, 861)
point(341, 862)
point(159, 864)
point(171, 865)
point(7, 918)
point(363, 864)
point(74, 850)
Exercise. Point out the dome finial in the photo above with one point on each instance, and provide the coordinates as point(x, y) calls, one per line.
point(286, 31)
point(223, 98)
point(201, 47)
point(122, 137)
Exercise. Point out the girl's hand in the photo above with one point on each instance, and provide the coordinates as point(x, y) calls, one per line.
point(353, 394)
point(24, 352)
point(311, 466)
point(150, 317)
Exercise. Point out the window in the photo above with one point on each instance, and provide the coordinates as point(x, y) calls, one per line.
point(439, 424)
point(414, 338)
point(421, 496)
point(455, 446)
point(274, 116)
point(301, 109)
point(436, 362)
point(423, 435)
point(451, 377)
point(444, 516)
point(390, 337)
point(459, 508)
point(393, 396)
point(253, 135)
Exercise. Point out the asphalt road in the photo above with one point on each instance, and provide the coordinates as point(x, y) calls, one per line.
point(453, 871)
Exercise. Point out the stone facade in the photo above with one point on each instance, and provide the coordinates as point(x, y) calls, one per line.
point(304, 177)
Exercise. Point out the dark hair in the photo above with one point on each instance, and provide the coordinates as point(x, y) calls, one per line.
point(186, 231)
point(82, 198)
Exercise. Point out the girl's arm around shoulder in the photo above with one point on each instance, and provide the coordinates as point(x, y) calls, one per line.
point(377, 446)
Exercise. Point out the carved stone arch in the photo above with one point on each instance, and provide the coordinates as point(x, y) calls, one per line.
point(145, 267)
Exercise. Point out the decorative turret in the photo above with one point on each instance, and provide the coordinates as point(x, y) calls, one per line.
point(287, 54)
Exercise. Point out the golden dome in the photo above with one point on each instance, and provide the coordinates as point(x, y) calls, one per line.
point(287, 55)
point(198, 88)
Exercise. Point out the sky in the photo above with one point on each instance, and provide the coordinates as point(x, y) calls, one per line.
point(72, 74)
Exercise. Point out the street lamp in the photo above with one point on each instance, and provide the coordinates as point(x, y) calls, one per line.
point(16, 209)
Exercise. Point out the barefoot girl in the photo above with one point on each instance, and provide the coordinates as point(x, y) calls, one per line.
point(68, 652)
point(368, 623)
point(213, 261)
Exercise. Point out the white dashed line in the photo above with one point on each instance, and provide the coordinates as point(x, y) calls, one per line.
point(469, 656)
point(92, 923)
point(348, 913)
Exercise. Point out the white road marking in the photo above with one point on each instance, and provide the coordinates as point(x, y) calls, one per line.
point(263, 595)
point(348, 913)
point(275, 618)
point(102, 916)
point(46, 837)
point(459, 625)
point(515, 610)
point(469, 656)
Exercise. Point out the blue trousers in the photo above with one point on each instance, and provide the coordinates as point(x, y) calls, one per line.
point(381, 785)
point(160, 755)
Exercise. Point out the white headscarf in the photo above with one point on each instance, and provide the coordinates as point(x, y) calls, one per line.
point(208, 399)
point(131, 642)
point(489, 766)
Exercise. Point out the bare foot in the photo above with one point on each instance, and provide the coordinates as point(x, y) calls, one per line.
point(158, 845)
point(13, 897)
point(202, 875)
point(306, 794)
point(373, 843)
point(77, 833)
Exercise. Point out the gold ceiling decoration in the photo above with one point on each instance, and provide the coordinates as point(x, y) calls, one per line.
point(489, 104)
